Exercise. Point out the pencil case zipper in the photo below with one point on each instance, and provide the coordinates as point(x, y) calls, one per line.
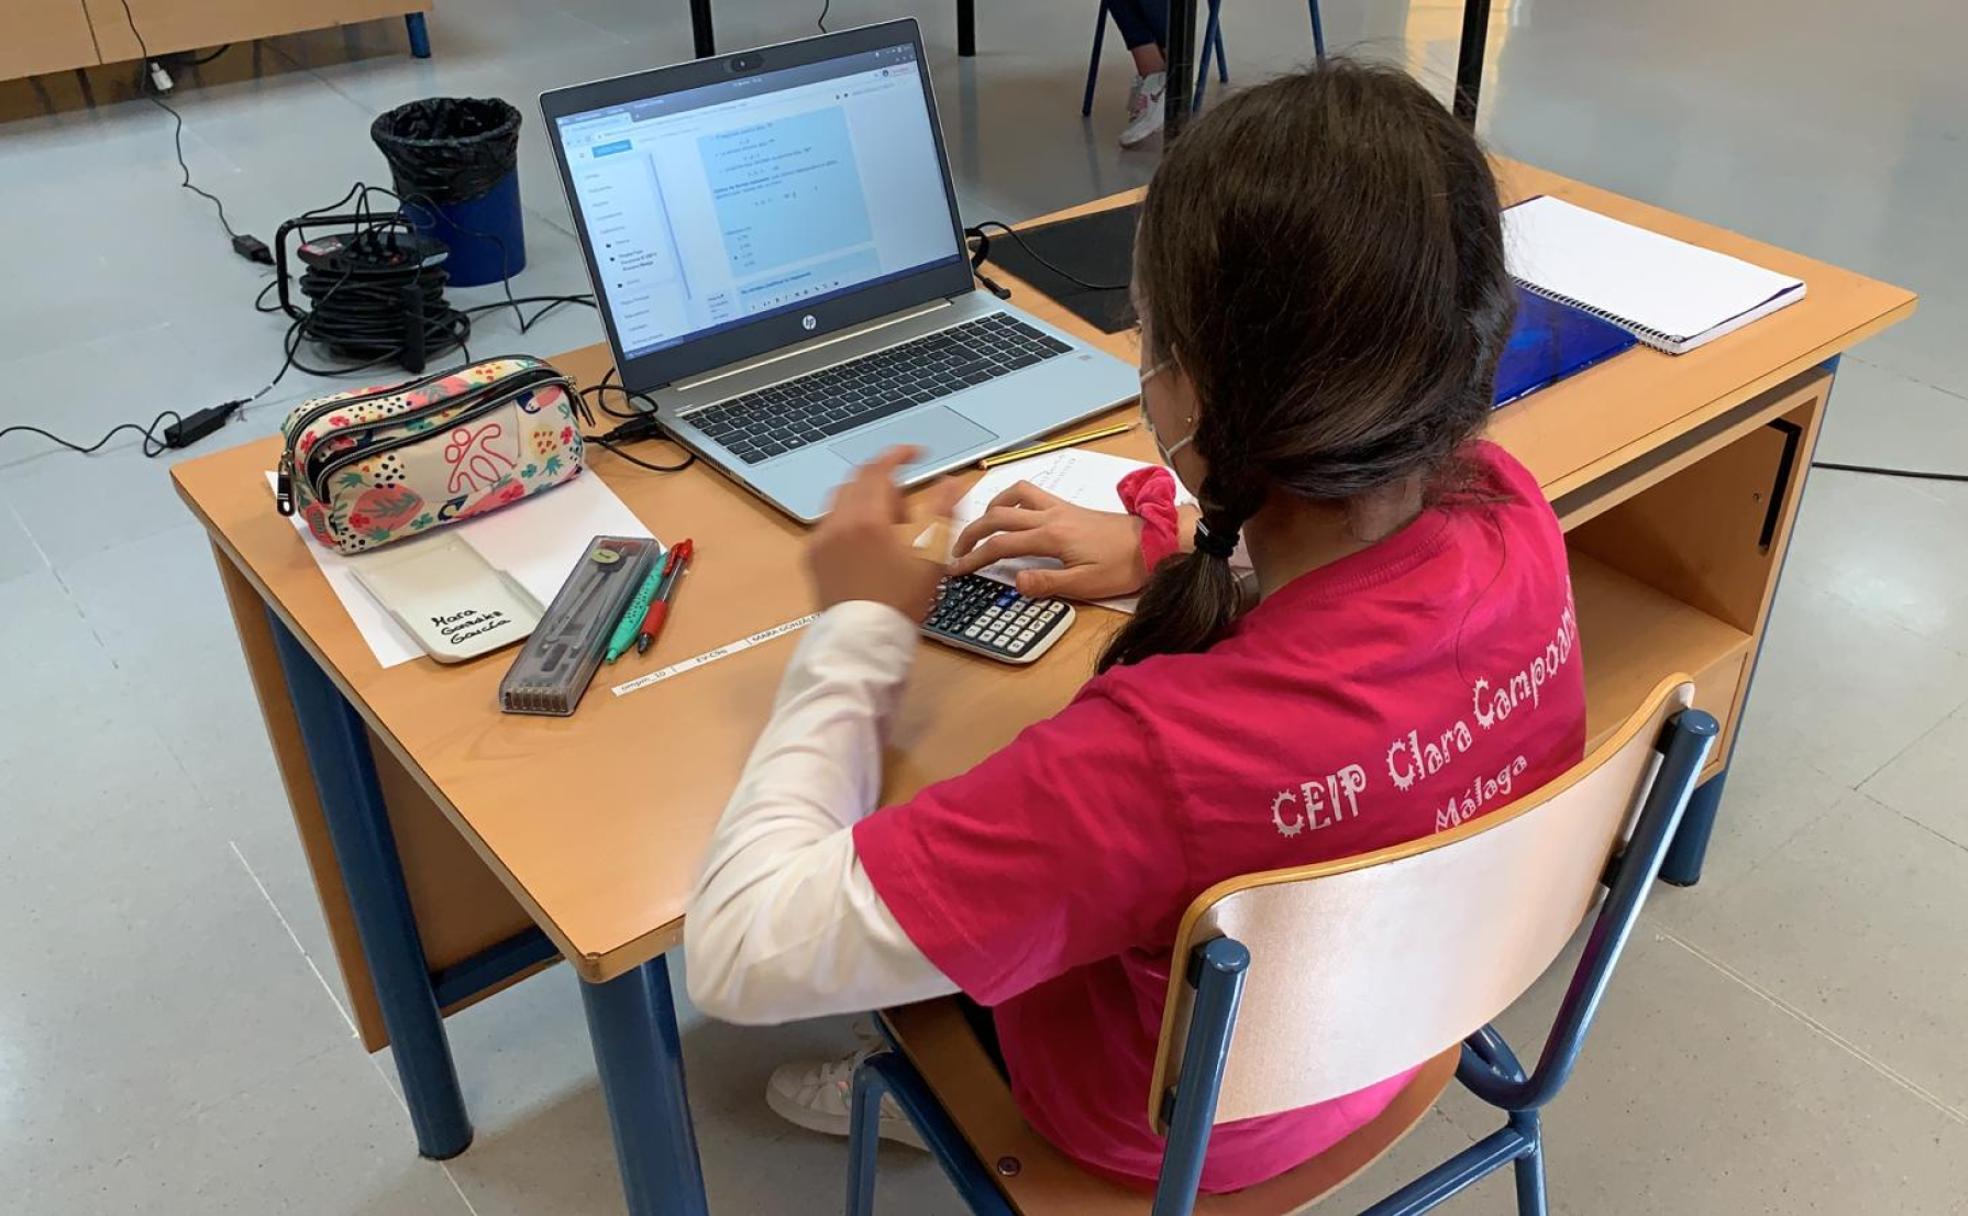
point(283, 490)
point(539, 378)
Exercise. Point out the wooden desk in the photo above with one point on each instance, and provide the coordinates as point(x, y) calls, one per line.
point(456, 849)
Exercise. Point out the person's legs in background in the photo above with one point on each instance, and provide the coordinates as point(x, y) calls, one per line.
point(1144, 28)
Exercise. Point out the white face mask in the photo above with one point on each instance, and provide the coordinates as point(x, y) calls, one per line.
point(1167, 452)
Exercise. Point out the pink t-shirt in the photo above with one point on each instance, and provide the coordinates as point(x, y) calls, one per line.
point(1391, 694)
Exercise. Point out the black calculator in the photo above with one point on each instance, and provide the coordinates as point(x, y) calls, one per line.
point(990, 618)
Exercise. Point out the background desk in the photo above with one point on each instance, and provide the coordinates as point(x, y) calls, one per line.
point(485, 846)
point(57, 35)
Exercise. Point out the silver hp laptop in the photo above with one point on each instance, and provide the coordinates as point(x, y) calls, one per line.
point(775, 246)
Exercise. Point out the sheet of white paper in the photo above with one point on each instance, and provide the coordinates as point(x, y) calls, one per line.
point(1081, 477)
point(537, 541)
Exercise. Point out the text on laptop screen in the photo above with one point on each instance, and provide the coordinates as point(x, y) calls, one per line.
point(714, 206)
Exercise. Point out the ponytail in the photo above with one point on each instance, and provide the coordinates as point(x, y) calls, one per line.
point(1189, 602)
point(1192, 599)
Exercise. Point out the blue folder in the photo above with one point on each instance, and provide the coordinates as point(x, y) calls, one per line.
point(1551, 341)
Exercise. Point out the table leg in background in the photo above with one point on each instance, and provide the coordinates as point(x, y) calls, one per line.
point(639, 1054)
point(700, 28)
point(358, 825)
point(1469, 58)
point(966, 28)
point(1181, 55)
point(420, 39)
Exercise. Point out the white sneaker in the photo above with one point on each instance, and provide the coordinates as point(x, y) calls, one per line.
point(818, 1097)
point(1144, 109)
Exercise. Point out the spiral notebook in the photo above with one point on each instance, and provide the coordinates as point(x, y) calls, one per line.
point(1671, 295)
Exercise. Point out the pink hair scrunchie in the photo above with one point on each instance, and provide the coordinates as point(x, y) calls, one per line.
point(1149, 495)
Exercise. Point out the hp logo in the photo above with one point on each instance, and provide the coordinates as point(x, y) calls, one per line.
point(809, 322)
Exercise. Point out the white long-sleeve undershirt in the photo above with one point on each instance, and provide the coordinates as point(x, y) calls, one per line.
point(784, 922)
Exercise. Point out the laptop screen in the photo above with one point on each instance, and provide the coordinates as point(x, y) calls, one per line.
point(716, 206)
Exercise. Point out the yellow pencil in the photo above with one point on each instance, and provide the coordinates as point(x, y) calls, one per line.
point(1053, 445)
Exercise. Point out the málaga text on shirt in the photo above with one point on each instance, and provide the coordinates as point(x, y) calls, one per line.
point(1329, 798)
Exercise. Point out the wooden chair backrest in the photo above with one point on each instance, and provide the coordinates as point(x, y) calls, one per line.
point(1366, 966)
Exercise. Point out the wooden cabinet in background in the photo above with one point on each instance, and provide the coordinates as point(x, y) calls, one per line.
point(39, 36)
point(45, 36)
point(186, 25)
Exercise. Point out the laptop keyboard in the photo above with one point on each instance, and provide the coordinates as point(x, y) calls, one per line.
point(795, 413)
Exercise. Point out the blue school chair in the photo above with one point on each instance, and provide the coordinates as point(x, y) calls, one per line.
point(1442, 935)
point(1212, 45)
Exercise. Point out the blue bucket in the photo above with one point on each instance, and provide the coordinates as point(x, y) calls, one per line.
point(486, 235)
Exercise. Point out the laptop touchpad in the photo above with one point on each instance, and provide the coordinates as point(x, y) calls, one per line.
point(940, 432)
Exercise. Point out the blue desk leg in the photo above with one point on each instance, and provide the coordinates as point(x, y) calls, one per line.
point(1683, 864)
point(420, 39)
point(632, 1023)
point(365, 848)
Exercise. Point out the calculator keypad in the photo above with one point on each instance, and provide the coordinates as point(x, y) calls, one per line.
point(990, 618)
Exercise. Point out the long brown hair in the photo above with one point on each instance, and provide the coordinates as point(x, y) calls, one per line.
point(1322, 256)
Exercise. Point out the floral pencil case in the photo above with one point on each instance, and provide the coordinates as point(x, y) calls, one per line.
point(376, 465)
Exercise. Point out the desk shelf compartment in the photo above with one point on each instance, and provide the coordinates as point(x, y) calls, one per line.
point(1674, 564)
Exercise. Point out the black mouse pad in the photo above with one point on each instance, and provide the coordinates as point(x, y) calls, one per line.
point(1098, 248)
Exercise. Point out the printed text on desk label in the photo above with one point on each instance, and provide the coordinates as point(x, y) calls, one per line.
point(712, 656)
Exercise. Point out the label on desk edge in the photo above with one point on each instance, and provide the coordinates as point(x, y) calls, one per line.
point(712, 656)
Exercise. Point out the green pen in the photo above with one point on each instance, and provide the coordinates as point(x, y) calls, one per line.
point(625, 629)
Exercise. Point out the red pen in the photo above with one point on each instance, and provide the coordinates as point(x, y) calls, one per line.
point(652, 622)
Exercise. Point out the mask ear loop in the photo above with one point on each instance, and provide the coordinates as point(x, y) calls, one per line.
point(1220, 542)
point(1167, 453)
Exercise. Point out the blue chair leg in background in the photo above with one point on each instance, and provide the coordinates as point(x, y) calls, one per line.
point(1318, 31)
point(420, 39)
point(1212, 45)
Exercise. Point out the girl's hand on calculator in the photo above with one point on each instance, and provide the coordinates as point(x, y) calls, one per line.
point(1099, 552)
point(857, 552)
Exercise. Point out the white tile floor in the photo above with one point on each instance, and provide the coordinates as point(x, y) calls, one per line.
point(1783, 1038)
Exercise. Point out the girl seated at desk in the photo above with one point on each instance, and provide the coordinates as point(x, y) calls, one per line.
point(1320, 276)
